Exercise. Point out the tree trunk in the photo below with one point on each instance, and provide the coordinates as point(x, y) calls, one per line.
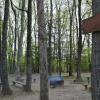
point(20, 41)
point(36, 61)
point(50, 35)
point(42, 51)
point(59, 40)
point(16, 31)
point(95, 83)
point(29, 48)
point(0, 37)
point(4, 75)
point(88, 52)
point(14, 53)
point(10, 45)
point(79, 44)
point(71, 48)
point(70, 65)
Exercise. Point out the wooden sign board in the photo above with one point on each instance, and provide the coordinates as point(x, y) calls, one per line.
point(91, 24)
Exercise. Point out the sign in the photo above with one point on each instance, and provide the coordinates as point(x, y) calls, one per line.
point(91, 24)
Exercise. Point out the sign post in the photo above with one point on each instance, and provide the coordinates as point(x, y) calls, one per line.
point(89, 25)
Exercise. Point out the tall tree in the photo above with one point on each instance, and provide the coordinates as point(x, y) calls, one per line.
point(42, 39)
point(88, 52)
point(20, 40)
point(0, 35)
point(10, 45)
point(29, 48)
point(50, 35)
point(71, 23)
point(95, 83)
point(16, 34)
point(79, 51)
point(59, 38)
point(15, 40)
point(36, 60)
point(4, 75)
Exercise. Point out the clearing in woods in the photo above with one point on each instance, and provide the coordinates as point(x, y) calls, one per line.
point(70, 91)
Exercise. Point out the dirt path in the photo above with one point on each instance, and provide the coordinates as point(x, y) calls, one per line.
point(69, 91)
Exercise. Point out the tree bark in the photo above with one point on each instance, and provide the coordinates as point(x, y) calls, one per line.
point(42, 39)
point(79, 44)
point(0, 38)
point(29, 49)
point(88, 52)
point(71, 12)
point(36, 61)
point(95, 75)
point(50, 35)
point(4, 75)
point(16, 31)
point(20, 40)
point(59, 39)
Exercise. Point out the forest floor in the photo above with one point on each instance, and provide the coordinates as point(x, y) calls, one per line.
point(70, 91)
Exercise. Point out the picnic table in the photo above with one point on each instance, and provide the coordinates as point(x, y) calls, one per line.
point(18, 82)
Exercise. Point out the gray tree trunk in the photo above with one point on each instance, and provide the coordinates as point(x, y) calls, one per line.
point(10, 45)
point(42, 39)
point(0, 37)
point(4, 75)
point(16, 31)
point(36, 61)
point(20, 41)
point(71, 12)
point(95, 83)
point(14, 53)
point(79, 44)
point(89, 54)
point(59, 39)
point(29, 49)
point(50, 35)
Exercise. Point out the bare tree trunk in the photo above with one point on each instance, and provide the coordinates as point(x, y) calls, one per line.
point(10, 45)
point(36, 61)
point(16, 31)
point(42, 51)
point(79, 44)
point(70, 65)
point(59, 40)
point(14, 54)
point(71, 23)
point(89, 55)
point(35, 39)
point(4, 75)
point(50, 35)
point(20, 41)
point(95, 83)
point(54, 49)
point(0, 38)
point(29, 48)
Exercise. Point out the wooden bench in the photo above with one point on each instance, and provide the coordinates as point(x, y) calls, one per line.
point(18, 82)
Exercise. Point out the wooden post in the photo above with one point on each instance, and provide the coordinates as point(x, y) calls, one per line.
point(92, 24)
point(95, 83)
